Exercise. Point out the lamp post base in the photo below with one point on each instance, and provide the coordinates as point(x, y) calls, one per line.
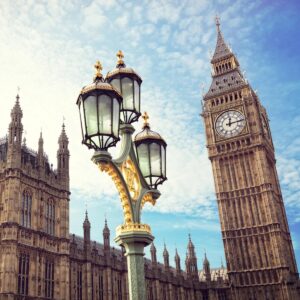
point(134, 243)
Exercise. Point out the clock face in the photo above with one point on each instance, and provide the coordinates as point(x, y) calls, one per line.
point(230, 123)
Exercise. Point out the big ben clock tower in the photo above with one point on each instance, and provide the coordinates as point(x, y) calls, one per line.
point(259, 253)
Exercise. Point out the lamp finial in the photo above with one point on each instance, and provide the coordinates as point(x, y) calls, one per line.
point(120, 57)
point(146, 118)
point(98, 68)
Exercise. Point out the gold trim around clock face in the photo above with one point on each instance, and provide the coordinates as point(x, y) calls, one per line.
point(230, 123)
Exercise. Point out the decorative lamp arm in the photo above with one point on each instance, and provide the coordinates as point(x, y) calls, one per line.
point(126, 131)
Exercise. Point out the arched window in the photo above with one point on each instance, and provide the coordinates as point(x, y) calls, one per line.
point(26, 209)
point(101, 287)
point(49, 278)
point(50, 217)
point(23, 274)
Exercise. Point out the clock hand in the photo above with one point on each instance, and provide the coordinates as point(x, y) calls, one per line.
point(229, 124)
point(237, 121)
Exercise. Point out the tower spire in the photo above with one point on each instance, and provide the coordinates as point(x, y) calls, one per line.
point(177, 261)
point(222, 50)
point(41, 151)
point(166, 256)
point(15, 131)
point(63, 156)
point(206, 268)
point(106, 236)
point(86, 228)
point(153, 253)
point(226, 74)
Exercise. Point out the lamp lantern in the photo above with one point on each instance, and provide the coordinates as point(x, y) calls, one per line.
point(128, 83)
point(151, 154)
point(99, 106)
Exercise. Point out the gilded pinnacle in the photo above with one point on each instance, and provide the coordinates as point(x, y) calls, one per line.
point(98, 68)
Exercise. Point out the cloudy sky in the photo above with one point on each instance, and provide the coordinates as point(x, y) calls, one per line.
point(48, 48)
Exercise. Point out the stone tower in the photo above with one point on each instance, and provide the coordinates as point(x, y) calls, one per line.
point(34, 219)
point(258, 248)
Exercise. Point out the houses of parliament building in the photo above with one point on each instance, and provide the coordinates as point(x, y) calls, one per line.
point(41, 259)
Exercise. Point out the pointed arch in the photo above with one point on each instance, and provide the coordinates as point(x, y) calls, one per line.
point(26, 208)
point(50, 216)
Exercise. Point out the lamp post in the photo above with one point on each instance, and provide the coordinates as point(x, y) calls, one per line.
point(107, 109)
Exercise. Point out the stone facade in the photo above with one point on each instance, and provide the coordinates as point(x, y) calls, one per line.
point(40, 259)
point(258, 248)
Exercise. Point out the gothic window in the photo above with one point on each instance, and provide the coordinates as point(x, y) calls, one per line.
point(23, 274)
point(50, 217)
point(101, 290)
point(26, 209)
point(79, 284)
point(49, 279)
point(119, 289)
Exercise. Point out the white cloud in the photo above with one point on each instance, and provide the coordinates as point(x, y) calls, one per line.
point(122, 20)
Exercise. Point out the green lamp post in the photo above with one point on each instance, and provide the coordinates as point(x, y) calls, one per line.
point(107, 109)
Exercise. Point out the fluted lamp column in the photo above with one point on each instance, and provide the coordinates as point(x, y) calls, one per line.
point(107, 109)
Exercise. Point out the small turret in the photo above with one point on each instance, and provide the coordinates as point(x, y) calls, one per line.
point(191, 260)
point(41, 160)
point(153, 253)
point(86, 229)
point(63, 156)
point(166, 257)
point(106, 237)
point(206, 268)
point(177, 262)
point(15, 131)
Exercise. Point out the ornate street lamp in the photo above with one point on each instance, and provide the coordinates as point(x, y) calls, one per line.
point(107, 107)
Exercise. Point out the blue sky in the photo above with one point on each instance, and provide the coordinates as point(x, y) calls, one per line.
point(48, 48)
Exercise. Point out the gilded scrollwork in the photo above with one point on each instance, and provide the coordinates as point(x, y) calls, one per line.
point(110, 170)
point(147, 198)
point(131, 178)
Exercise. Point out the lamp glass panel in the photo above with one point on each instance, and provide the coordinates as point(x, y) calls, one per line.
point(104, 111)
point(96, 140)
point(148, 180)
point(155, 159)
point(116, 117)
point(137, 96)
point(90, 107)
point(116, 84)
point(163, 160)
point(81, 115)
point(127, 93)
point(143, 155)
